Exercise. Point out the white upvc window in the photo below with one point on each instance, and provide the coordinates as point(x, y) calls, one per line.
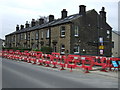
point(62, 49)
point(25, 36)
point(48, 34)
point(101, 39)
point(76, 49)
point(62, 31)
point(37, 35)
point(108, 34)
point(76, 32)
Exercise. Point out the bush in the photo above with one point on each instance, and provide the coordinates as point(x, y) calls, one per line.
point(36, 50)
point(7, 48)
point(24, 49)
point(16, 48)
point(46, 50)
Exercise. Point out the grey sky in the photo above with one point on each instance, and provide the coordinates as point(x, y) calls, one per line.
point(15, 12)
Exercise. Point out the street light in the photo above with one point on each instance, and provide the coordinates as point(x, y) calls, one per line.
point(79, 41)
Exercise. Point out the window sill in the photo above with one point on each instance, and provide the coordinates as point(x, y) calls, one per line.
point(62, 52)
point(62, 36)
point(76, 36)
point(47, 38)
point(76, 52)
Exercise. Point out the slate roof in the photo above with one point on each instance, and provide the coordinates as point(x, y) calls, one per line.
point(2, 39)
point(117, 32)
point(53, 23)
point(49, 24)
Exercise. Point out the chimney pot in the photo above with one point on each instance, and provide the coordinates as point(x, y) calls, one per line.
point(41, 21)
point(82, 9)
point(51, 18)
point(21, 27)
point(27, 24)
point(103, 13)
point(33, 22)
point(64, 13)
point(17, 27)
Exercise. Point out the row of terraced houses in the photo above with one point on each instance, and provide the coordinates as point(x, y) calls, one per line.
point(86, 32)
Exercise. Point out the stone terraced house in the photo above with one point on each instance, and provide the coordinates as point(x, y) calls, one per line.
point(86, 32)
point(116, 43)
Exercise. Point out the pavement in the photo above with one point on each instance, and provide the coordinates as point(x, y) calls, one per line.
point(109, 73)
point(96, 70)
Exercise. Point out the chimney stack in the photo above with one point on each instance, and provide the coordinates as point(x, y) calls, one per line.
point(26, 25)
point(51, 18)
point(41, 21)
point(64, 13)
point(82, 9)
point(33, 22)
point(21, 27)
point(103, 13)
point(17, 27)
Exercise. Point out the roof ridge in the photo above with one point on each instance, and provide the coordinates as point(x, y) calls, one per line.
point(54, 22)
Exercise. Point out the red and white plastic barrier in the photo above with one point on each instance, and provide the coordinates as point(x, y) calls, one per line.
point(55, 59)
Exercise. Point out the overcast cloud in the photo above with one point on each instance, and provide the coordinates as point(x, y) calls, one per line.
point(15, 12)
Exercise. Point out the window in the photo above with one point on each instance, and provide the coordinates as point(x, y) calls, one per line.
point(62, 49)
point(101, 39)
point(28, 36)
point(76, 49)
point(37, 35)
point(42, 35)
point(62, 31)
point(112, 44)
point(48, 33)
point(14, 38)
point(21, 36)
point(108, 34)
point(25, 36)
point(76, 31)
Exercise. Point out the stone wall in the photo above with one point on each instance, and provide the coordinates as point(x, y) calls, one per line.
point(56, 36)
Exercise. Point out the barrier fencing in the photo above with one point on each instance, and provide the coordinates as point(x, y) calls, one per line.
point(56, 60)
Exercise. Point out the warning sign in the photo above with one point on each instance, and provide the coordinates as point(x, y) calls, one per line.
point(101, 52)
point(101, 47)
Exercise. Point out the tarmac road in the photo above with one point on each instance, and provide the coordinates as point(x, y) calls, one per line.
point(17, 74)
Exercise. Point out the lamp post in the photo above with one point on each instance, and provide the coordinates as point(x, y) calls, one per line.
point(79, 41)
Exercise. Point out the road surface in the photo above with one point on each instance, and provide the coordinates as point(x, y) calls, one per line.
point(16, 74)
